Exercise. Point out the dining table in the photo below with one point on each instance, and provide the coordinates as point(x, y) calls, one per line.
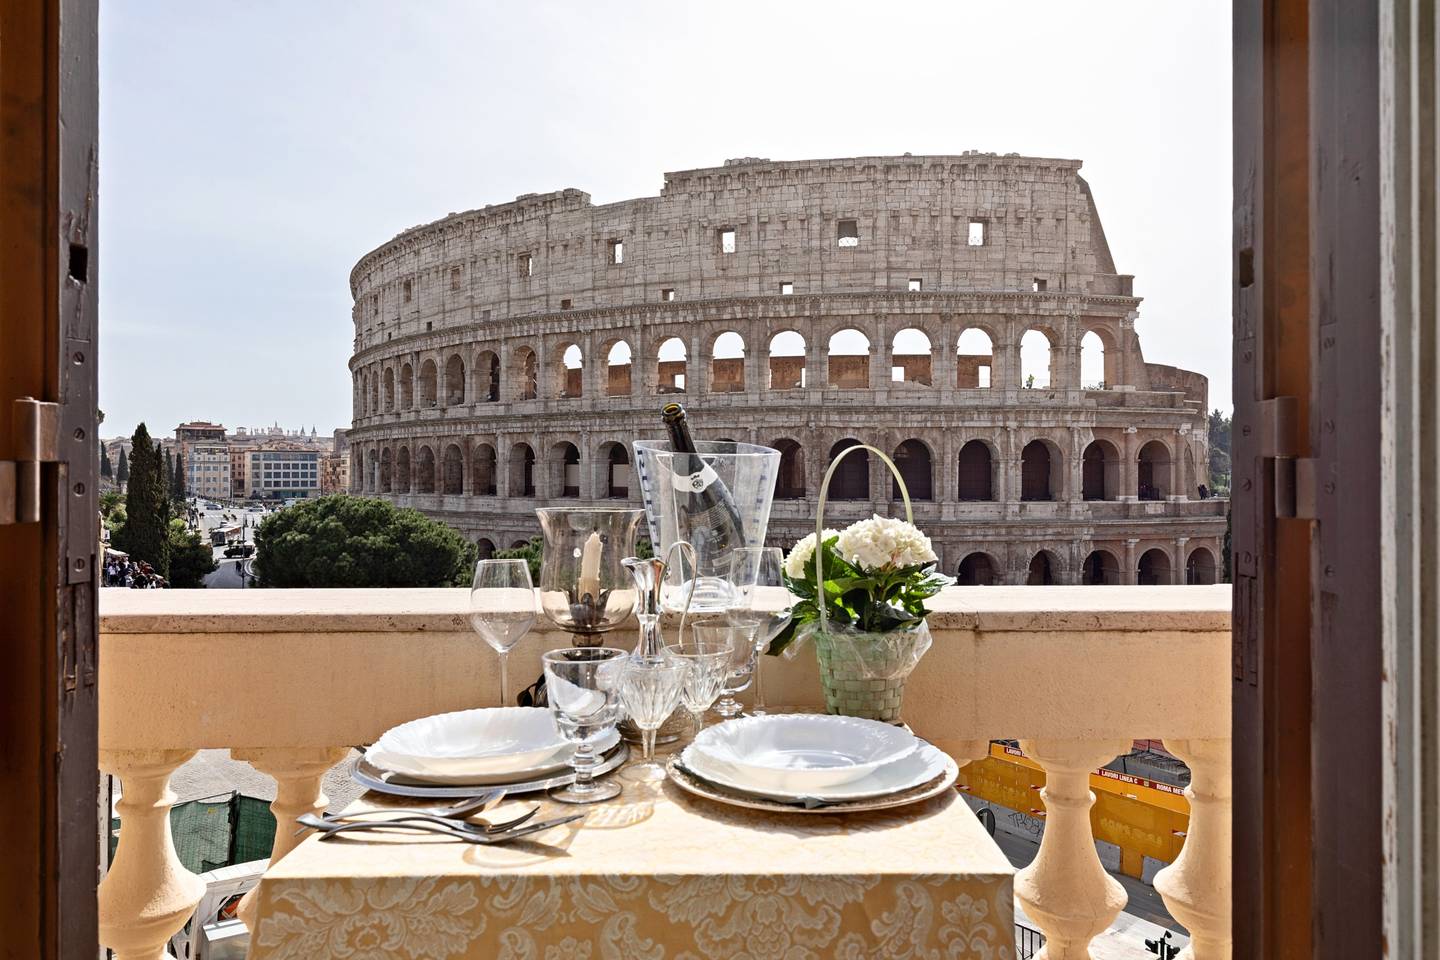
point(655, 873)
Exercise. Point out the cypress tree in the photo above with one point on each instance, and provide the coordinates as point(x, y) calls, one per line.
point(105, 470)
point(177, 479)
point(145, 535)
point(122, 469)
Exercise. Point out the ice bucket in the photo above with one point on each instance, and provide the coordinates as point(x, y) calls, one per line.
point(747, 472)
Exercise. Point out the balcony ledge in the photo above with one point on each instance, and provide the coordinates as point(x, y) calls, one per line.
point(301, 668)
point(399, 611)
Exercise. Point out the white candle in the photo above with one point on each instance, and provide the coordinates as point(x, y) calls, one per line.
point(590, 568)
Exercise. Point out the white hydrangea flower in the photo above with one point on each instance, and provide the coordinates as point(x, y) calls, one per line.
point(801, 553)
point(881, 542)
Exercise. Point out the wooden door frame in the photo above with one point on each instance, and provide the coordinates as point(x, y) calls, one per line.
point(48, 764)
point(1307, 709)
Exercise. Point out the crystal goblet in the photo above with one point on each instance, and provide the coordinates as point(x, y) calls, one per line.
point(650, 691)
point(707, 664)
point(741, 666)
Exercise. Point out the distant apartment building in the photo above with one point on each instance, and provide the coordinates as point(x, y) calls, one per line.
point(199, 431)
point(207, 468)
point(282, 474)
point(227, 469)
point(238, 476)
point(334, 473)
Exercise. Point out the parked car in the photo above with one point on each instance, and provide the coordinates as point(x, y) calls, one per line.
point(240, 550)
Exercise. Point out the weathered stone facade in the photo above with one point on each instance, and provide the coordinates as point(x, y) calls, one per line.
point(505, 357)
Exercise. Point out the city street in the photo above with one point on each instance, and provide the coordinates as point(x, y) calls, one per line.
point(227, 575)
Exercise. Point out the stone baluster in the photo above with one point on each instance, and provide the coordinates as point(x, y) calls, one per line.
point(1066, 889)
point(297, 772)
point(147, 895)
point(1196, 887)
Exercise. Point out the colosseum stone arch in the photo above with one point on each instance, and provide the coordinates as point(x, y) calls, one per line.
point(851, 306)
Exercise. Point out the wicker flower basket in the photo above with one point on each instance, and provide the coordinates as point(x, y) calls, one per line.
point(863, 674)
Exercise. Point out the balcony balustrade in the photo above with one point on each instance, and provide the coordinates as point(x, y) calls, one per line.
point(289, 680)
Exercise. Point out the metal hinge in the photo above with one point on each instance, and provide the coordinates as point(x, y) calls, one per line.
point(1281, 442)
point(35, 427)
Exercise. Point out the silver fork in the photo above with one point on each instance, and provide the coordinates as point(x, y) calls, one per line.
point(457, 811)
point(450, 828)
point(327, 824)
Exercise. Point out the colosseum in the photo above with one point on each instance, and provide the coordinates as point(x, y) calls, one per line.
point(963, 312)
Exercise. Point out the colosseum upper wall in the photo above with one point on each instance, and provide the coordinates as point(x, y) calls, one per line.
point(504, 357)
point(912, 216)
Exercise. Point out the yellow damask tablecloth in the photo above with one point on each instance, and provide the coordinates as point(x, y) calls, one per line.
point(654, 875)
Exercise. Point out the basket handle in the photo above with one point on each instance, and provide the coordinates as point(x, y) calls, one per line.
point(820, 513)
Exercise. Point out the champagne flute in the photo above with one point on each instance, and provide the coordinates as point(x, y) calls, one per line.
point(756, 573)
point(502, 609)
point(650, 691)
point(583, 686)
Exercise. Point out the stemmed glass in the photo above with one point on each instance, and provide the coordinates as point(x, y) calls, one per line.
point(752, 571)
point(650, 691)
point(583, 686)
point(707, 664)
point(739, 669)
point(502, 609)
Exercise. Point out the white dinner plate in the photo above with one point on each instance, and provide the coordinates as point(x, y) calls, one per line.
point(910, 771)
point(803, 753)
point(489, 745)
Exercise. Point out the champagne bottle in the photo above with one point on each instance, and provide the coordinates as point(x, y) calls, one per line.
point(708, 517)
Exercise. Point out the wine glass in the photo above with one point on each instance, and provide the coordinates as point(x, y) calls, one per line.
point(583, 686)
point(739, 669)
point(502, 609)
point(706, 667)
point(650, 691)
point(754, 571)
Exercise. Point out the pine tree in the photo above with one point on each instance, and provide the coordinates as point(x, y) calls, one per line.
point(105, 470)
point(122, 470)
point(145, 535)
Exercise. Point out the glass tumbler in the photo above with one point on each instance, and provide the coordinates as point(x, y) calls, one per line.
point(583, 684)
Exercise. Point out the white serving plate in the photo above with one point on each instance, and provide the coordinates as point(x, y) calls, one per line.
point(489, 745)
point(382, 782)
point(920, 766)
point(803, 753)
point(690, 782)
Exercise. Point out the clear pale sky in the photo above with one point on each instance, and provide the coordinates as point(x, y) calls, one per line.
point(251, 152)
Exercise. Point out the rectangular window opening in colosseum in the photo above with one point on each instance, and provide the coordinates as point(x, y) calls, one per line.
point(667, 294)
point(454, 278)
point(1038, 285)
point(617, 252)
point(526, 264)
point(977, 233)
point(727, 239)
point(914, 285)
point(847, 233)
point(409, 291)
point(786, 288)
point(566, 304)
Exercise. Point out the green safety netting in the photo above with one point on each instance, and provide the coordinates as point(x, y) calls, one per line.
point(217, 831)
